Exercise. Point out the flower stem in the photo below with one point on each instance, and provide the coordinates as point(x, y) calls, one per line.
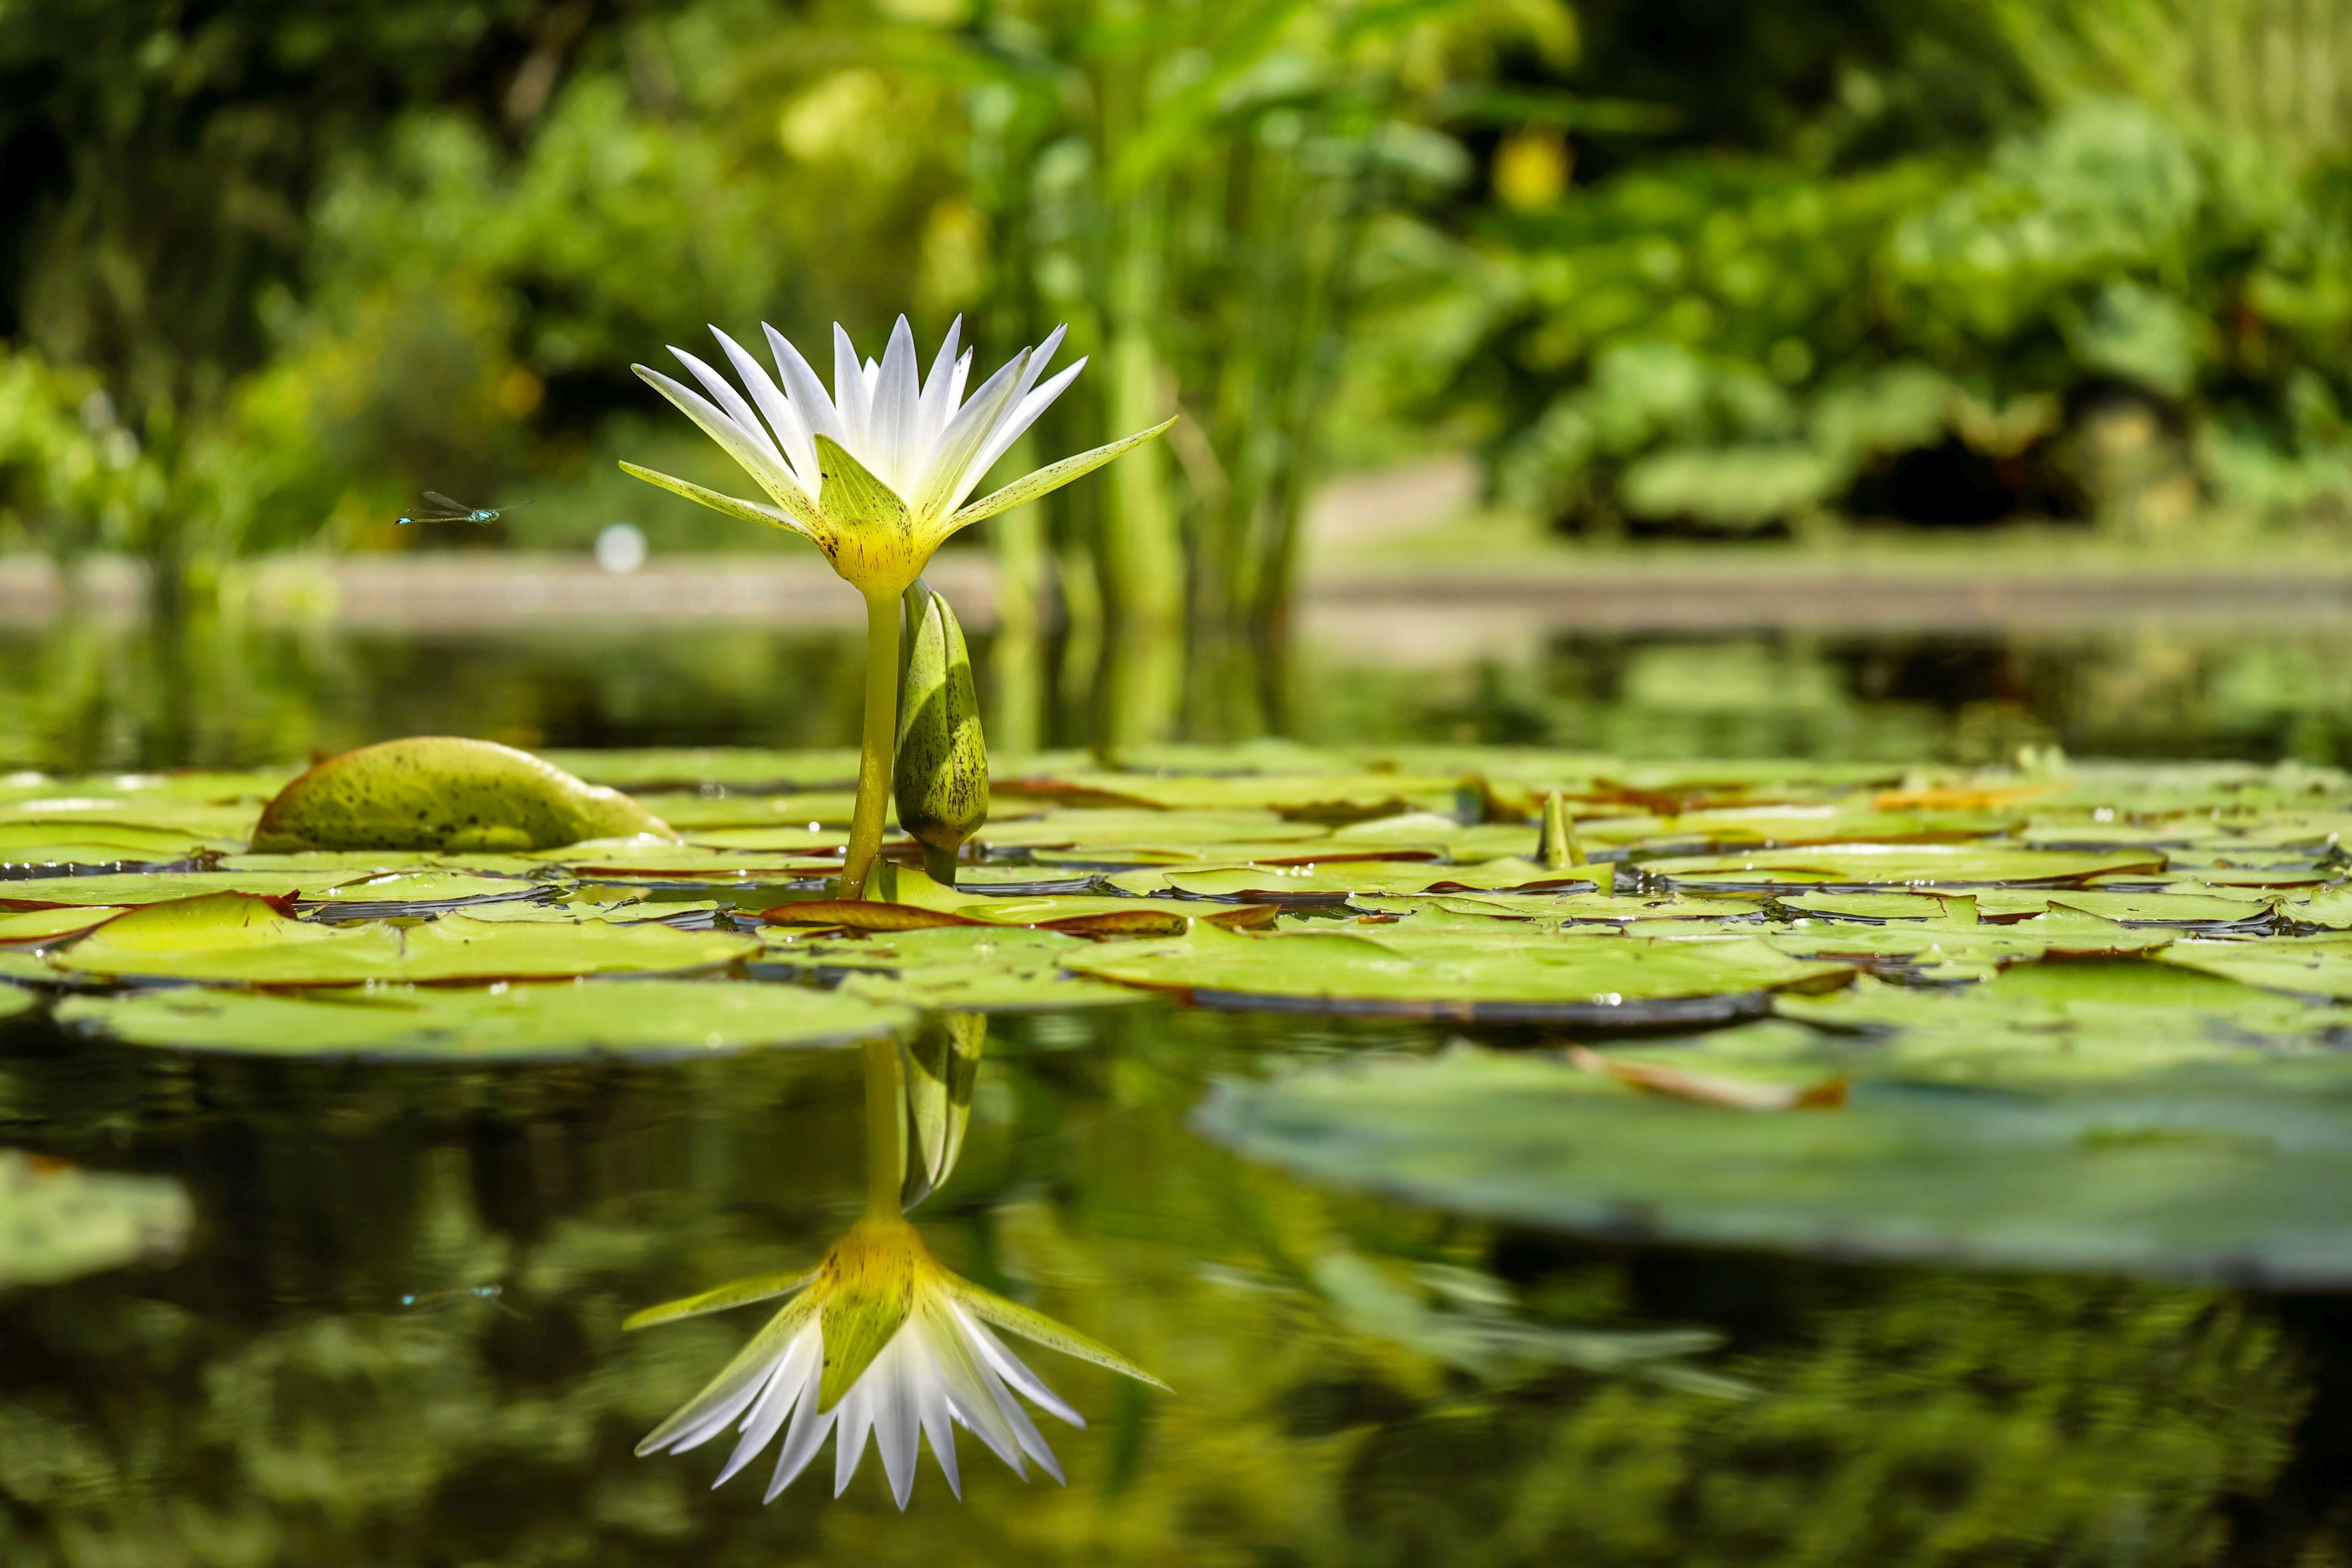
point(885, 1127)
point(880, 744)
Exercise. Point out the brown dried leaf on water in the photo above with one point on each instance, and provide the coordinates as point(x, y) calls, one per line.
point(1712, 1089)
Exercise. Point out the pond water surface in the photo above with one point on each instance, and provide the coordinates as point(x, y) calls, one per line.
point(395, 1336)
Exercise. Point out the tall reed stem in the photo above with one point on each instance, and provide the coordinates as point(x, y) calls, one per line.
point(879, 745)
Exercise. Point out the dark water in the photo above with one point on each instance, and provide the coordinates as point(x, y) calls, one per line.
point(273, 1398)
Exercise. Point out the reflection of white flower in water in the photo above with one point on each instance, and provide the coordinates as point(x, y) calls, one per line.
point(879, 1340)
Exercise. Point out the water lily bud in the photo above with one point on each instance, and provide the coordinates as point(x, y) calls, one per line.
point(941, 772)
point(1558, 847)
point(941, 1065)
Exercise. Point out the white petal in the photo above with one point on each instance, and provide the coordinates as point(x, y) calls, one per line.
point(792, 431)
point(1009, 430)
point(758, 456)
point(850, 394)
point(775, 1402)
point(1009, 1367)
point(951, 455)
point(722, 392)
point(809, 397)
point(938, 399)
point(854, 1418)
point(898, 1428)
point(807, 1435)
point(897, 408)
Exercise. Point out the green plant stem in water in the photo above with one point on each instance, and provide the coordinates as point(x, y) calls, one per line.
point(879, 742)
point(885, 1125)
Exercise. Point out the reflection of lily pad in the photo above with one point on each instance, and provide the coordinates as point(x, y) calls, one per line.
point(14, 1000)
point(1599, 980)
point(621, 1017)
point(59, 1222)
point(2193, 1179)
point(236, 938)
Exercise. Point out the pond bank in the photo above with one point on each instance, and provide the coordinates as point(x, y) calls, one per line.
point(1395, 605)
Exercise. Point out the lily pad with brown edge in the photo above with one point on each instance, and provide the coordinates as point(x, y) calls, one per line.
point(561, 1020)
point(2303, 966)
point(1863, 866)
point(2056, 1023)
point(443, 792)
point(1120, 828)
point(2002, 905)
point(60, 1222)
point(693, 811)
point(1569, 907)
point(2179, 1177)
point(1332, 882)
point(635, 860)
point(238, 939)
point(98, 844)
point(1604, 981)
point(1333, 799)
point(970, 968)
point(35, 927)
point(643, 770)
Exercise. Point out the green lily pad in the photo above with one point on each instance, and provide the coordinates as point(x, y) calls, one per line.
point(505, 1021)
point(1332, 799)
point(100, 844)
point(27, 926)
point(237, 938)
point(1605, 980)
point(2183, 1178)
point(1333, 881)
point(1860, 866)
point(2309, 966)
point(695, 811)
point(59, 1222)
point(726, 767)
point(14, 1000)
point(964, 968)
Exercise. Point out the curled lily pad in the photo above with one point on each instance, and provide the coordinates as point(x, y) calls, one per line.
point(237, 938)
point(617, 1017)
point(2177, 1180)
point(60, 1222)
point(443, 792)
point(1608, 980)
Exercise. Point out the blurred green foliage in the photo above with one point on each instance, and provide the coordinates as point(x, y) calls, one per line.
point(2111, 282)
point(273, 268)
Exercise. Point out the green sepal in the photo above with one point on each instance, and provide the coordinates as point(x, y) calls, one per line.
point(851, 497)
point(737, 1293)
point(1031, 1325)
point(1049, 479)
point(749, 511)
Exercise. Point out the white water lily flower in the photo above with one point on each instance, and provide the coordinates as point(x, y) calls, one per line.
point(877, 473)
point(879, 1340)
